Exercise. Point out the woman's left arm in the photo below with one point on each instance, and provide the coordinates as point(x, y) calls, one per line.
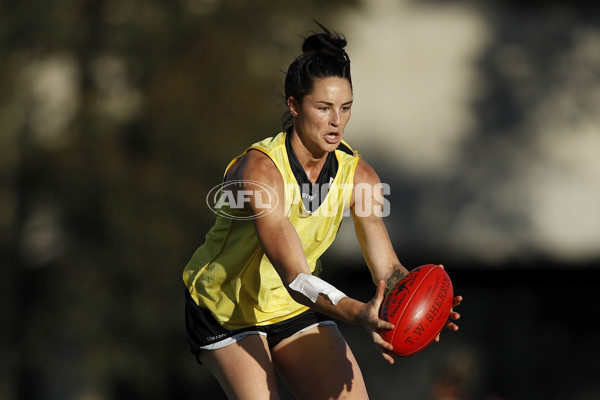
point(368, 208)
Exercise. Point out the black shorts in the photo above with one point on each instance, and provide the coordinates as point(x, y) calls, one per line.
point(205, 333)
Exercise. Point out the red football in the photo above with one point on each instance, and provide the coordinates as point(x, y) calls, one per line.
point(418, 306)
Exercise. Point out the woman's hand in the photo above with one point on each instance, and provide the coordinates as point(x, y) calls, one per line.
point(454, 316)
point(369, 319)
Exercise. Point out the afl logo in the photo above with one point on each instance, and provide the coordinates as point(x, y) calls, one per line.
point(229, 199)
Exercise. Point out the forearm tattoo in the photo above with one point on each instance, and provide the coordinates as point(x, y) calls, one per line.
point(396, 276)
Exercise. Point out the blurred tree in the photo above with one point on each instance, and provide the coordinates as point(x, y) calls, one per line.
point(116, 119)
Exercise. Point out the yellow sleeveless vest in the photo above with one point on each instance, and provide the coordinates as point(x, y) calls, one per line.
point(230, 274)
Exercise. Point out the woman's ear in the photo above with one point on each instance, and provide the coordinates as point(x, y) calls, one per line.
point(293, 106)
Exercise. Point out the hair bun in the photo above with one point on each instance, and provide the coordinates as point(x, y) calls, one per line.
point(327, 42)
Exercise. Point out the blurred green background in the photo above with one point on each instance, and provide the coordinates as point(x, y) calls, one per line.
point(118, 116)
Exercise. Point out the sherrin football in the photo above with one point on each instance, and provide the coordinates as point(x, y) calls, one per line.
point(418, 306)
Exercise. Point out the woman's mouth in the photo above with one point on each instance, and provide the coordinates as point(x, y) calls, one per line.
point(332, 138)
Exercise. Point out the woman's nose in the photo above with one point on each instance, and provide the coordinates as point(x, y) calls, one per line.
point(335, 118)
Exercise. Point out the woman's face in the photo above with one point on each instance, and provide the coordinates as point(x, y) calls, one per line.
point(321, 117)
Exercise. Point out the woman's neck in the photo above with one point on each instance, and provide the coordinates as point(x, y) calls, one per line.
point(311, 163)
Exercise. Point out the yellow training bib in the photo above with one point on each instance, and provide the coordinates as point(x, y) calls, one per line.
point(230, 274)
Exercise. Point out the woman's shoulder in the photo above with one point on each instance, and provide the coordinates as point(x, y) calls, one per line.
point(254, 165)
point(365, 173)
point(256, 160)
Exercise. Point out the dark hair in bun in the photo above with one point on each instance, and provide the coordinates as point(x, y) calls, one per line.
point(323, 56)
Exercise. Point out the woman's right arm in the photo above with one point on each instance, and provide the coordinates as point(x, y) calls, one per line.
point(283, 247)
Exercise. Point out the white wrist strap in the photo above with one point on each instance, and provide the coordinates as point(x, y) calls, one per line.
point(311, 286)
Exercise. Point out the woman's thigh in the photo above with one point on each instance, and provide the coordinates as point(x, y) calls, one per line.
point(318, 364)
point(244, 369)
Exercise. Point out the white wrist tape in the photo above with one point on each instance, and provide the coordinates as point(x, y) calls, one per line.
point(311, 286)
